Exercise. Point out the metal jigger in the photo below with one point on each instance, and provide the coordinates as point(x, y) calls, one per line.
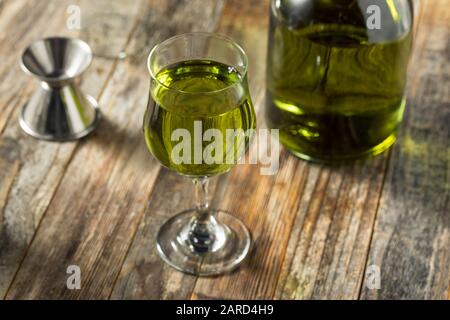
point(58, 110)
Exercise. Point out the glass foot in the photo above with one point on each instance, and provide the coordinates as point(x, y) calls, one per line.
point(215, 246)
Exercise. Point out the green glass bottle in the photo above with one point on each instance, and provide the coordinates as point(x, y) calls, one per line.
point(336, 73)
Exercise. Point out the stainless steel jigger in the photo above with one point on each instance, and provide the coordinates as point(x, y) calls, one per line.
point(58, 110)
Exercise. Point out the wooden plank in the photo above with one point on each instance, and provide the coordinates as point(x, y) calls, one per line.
point(329, 261)
point(411, 240)
point(33, 169)
point(18, 222)
point(97, 207)
point(312, 225)
point(238, 20)
point(328, 246)
point(144, 275)
point(268, 211)
point(296, 215)
point(13, 39)
point(264, 205)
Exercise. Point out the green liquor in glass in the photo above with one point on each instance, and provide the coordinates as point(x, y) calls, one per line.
point(198, 94)
point(196, 91)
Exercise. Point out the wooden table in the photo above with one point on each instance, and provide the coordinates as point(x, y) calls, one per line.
point(97, 203)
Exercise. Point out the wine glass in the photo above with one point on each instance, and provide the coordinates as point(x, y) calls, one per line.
point(199, 123)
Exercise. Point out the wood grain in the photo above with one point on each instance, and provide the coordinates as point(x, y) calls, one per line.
point(144, 275)
point(263, 203)
point(301, 213)
point(317, 230)
point(40, 165)
point(411, 241)
point(238, 20)
point(100, 200)
point(330, 238)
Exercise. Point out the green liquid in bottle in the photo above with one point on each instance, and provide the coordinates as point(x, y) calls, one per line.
point(334, 94)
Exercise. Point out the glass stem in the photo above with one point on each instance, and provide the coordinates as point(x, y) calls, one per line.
point(201, 197)
point(201, 233)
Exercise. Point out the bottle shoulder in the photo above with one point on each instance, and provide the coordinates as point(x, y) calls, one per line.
point(386, 20)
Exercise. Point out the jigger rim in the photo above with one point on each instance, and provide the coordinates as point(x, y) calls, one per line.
point(63, 78)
